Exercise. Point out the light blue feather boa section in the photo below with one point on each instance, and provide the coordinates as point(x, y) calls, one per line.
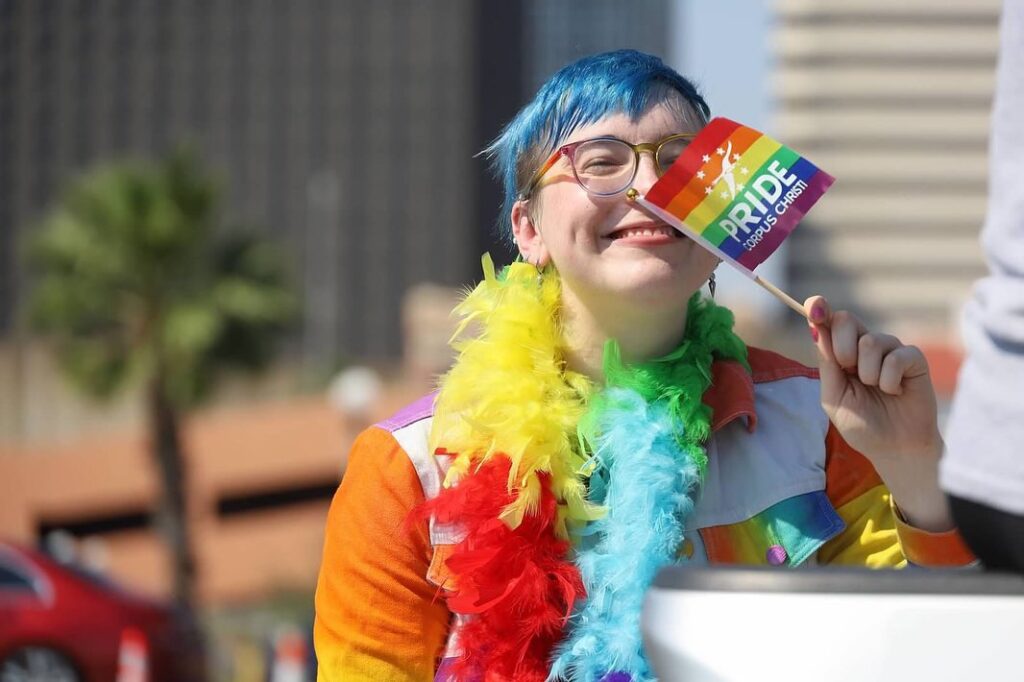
point(646, 479)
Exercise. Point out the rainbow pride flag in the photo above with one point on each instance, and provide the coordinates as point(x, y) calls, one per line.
point(737, 191)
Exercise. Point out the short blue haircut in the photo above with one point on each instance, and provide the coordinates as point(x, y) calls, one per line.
point(579, 94)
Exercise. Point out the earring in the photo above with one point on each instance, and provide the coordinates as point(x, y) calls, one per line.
point(540, 270)
point(712, 285)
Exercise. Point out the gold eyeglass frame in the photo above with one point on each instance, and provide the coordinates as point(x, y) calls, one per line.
point(569, 150)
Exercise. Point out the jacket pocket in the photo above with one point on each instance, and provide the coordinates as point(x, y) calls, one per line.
point(785, 534)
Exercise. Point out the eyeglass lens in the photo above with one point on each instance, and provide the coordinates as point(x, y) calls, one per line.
point(608, 166)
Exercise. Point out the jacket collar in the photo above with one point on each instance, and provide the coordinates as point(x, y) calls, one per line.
point(731, 395)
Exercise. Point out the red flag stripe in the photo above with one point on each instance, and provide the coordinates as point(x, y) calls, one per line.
point(690, 162)
point(693, 193)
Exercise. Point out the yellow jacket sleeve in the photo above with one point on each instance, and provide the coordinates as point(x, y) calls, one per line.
point(875, 536)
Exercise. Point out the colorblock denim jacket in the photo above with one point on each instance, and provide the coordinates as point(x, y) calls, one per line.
point(782, 489)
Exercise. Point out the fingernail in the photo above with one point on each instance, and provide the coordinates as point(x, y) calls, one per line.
point(818, 312)
point(814, 334)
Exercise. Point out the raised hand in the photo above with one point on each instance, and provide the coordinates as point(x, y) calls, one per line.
point(879, 395)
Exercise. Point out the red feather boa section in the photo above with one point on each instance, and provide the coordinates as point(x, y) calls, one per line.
point(518, 584)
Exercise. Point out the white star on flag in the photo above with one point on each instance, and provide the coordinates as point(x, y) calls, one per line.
point(744, 170)
point(700, 175)
point(740, 186)
point(725, 195)
point(735, 157)
point(720, 151)
point(705, 158)
point(708, 190)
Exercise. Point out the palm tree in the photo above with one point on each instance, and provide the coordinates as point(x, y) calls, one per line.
point(137, 282)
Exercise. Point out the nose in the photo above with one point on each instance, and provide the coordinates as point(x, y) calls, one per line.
point(646, 172)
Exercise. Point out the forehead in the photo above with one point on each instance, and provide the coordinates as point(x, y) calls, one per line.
point(664, 117)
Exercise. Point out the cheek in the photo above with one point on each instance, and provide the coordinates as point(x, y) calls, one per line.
point(568, 217)
point(708, 260)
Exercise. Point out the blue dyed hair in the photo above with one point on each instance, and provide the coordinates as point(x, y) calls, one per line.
point(579, 94)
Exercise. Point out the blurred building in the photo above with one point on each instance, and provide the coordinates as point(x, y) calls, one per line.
point(259, 483)
point(346, 128)
point(893, 99)
point(561, 31)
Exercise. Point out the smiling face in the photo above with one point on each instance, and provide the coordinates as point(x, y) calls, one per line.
point(606, 248)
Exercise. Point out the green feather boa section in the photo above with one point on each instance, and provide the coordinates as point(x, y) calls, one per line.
point(678, 379)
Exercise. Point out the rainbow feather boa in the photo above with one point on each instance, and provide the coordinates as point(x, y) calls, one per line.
point(570, 498)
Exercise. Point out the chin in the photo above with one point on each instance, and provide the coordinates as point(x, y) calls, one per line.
point(656, 284)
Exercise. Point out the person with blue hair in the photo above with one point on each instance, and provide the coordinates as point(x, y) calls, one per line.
point(603, 421)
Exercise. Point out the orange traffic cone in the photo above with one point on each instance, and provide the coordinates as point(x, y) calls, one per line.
point(133, 656)
point(289, 657)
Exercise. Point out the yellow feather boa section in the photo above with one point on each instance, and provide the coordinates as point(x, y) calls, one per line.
point(509, 395)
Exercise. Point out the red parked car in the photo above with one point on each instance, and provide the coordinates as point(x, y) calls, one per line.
point(59, 623)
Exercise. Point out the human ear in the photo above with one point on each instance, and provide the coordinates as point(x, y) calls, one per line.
point(527, 234)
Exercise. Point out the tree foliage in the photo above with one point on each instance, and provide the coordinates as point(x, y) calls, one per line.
point(136, 278)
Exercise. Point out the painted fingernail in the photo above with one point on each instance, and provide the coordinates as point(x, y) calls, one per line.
point(814, 334)
point(818, 312)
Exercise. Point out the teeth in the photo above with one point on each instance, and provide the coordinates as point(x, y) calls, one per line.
point(644, 232)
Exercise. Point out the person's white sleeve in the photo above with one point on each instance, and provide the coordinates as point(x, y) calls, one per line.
point(984, 459)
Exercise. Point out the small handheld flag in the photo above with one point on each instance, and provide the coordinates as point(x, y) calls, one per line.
point(738, 193)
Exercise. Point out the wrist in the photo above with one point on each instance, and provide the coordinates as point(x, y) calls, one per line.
point(934, 517)
point(913, 481)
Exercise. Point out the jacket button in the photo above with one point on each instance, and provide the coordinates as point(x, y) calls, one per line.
point(776, 555)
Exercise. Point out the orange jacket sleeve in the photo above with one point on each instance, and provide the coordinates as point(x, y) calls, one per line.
point(875, 535)
point(377, 617)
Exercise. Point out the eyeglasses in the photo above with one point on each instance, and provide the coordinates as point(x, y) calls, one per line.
point(605, 166)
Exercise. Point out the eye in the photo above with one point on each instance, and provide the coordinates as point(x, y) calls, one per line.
point(602, 157)
point(671, 151)
point(597, 164)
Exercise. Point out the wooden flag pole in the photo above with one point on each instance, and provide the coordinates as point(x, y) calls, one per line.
point(633, 196)
point(781, 295)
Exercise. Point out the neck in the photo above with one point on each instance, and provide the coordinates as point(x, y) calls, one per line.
point(644, 332)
